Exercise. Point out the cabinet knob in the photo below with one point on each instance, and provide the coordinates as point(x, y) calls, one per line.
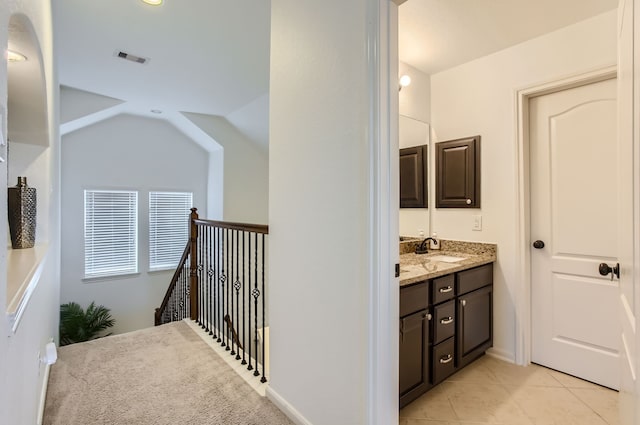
point(428, 316)
point(463, 302)
point(468, 201)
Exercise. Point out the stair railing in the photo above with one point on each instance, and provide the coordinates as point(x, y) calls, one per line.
point(221, 284)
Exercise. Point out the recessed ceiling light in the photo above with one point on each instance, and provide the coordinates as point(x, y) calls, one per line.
point(15, 56)
point(153, 2)
point(156, 111)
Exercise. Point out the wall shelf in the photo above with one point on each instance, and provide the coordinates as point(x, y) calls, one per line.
point(24, 268)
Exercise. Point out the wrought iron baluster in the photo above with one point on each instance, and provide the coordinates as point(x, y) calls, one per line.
point(244, 311)
point(209, 274)
point(217, 283)
point(230, 289)
point(223, 278)
point(256, 294)
point(226, 259)
point(237, 285)
point(249, 333)
point(264, 327)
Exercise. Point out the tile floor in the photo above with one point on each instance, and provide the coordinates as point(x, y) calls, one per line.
point(490, 391)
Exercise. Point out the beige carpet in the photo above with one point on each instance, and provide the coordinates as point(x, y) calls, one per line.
point(160, 375)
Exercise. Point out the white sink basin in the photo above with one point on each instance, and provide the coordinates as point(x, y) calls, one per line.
point(446, 258)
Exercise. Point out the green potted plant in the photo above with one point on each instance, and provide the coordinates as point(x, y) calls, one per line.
point(78, 325)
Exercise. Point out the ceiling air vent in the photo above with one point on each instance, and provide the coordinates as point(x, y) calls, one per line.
point(132, 58)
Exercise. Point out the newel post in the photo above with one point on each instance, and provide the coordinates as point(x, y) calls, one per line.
point(193, 283)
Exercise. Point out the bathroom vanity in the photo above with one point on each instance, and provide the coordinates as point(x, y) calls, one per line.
point(446, 314)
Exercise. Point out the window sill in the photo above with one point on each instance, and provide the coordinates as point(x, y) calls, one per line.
point(24, 268)
point(97, 279)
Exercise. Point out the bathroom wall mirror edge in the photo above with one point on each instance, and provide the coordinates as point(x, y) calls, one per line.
point(415, 222)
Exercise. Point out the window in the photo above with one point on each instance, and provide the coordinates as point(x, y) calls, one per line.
point(110, 233)
point(168, 228)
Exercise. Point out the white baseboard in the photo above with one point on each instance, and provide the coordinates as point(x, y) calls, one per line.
point(239, 368)
point(500, 354)
point(43, 394)
point(286, 408)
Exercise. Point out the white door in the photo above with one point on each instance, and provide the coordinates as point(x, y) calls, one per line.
point(574, 201)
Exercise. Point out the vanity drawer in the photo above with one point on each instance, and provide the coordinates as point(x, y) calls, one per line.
point(443, 362)
point(443, 288)
point(414, 298)
point(470, 280)
point(444, 323)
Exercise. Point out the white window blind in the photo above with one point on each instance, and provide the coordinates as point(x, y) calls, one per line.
point(110, 233)
point(168, 228)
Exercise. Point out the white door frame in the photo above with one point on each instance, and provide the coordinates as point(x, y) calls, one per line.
point(383, 249)
point(523, 237)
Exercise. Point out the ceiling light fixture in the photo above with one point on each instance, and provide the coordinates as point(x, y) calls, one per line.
point(156, 111)
point(15, 56)
point(405, 80)
point(153, 2)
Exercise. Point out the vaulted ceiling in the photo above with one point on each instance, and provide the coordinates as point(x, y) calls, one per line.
point(212, 57)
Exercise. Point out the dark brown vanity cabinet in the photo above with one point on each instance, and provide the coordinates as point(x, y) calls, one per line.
point(474, 331)
point(458, 173)
point(445, 324)
point(415, 328)
point(413, 177)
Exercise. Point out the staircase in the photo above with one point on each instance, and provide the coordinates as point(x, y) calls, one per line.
point(220, 284)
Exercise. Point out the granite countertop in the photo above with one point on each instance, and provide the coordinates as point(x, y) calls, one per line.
point(418, 267)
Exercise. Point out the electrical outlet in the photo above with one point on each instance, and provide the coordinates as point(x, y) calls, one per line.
point(477, 222)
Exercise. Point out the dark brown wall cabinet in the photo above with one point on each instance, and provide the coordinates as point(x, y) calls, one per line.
point(458, 173)
point(413, 177)
point(445, 324)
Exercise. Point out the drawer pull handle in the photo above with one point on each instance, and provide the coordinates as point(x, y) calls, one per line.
point(445, 360)
point(446, 289)
point(446, 320)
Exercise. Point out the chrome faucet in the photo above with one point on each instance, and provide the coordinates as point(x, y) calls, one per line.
point(422, 248)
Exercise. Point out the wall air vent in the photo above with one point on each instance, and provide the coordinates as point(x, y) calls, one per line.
point(132, 58)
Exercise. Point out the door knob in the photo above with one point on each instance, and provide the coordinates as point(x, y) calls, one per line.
point(605, 269)
point(538, 244)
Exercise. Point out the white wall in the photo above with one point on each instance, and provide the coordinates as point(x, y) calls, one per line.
point(124, 152)
point(318, 209)
point(21, 375)
point(246, 171)
point(479, 98)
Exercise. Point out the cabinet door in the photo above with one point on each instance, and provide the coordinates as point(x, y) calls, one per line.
point(414, 356)
point(413, 177)
point(458, 173)
point(475, 324)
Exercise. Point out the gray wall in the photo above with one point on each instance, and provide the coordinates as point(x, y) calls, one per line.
point(129, 153)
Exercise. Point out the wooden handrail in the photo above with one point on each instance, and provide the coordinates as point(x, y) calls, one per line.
point(256, 228)
point(172, 284)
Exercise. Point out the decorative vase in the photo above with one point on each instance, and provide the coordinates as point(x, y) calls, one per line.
point(22, 214)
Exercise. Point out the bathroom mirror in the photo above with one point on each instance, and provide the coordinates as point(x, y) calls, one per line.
point(414, 222)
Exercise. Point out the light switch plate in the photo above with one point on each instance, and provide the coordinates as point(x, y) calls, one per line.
point(477, 222)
